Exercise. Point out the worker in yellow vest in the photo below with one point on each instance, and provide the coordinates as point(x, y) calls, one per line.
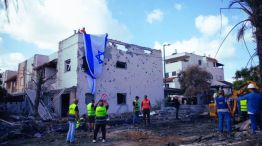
point(91, 115)
point(101, 119)
point(243, 109)
point(136, 110)
point(73, 118)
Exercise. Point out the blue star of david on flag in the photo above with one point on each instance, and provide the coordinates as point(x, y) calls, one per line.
point(94, 52)
point(98, 56)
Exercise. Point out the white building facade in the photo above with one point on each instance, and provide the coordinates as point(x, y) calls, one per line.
point(180, 61)
point(128, 71)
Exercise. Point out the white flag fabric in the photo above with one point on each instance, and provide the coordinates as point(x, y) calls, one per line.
point(94, 51)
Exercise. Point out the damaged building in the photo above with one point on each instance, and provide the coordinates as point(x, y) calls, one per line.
point(128, 70)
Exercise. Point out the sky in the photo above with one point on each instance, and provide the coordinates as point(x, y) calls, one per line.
point(37, 26)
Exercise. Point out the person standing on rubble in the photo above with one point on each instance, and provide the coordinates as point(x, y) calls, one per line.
point(254, 101)
point(176, 105)
point(101, 119)
point(146, 106)
point(223, 110)
point(91, 115)
point(136, 110)
point(73, 117)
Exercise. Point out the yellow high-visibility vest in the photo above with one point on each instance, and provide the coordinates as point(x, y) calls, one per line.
point(72, 108)
point(101, 111)
point(243, 105)
point(90, 110)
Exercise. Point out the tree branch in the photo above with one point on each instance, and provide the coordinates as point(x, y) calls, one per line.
point(228, 35)
point(49, 78)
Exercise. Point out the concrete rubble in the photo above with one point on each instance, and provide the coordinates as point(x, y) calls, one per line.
point(193, 128)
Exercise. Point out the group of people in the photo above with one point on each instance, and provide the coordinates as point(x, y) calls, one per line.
point(253, 102)
point(97, 119)
point(97, 116)
point(145, 109)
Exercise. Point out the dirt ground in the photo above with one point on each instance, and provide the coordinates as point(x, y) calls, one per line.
point(159, 133)
point(201, 131)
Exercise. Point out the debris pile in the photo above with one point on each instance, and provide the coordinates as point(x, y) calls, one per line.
point(193, 128)
point(14, 127)
point(21, 127)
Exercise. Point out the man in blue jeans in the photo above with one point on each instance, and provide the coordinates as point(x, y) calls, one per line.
point(223, 110)
point(73, 117)
point(254, 101)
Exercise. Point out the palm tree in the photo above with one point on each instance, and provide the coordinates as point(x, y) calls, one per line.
point(5, 4)
point(253, 8)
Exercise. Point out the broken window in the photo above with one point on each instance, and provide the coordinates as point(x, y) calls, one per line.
point(166, 75)
point(84, 65)
point(174, 73)
point(121, 98)
point(120, 64)
point(67, 65)
point(199, 62)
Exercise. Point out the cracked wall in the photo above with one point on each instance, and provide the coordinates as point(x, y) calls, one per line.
point(142, 76)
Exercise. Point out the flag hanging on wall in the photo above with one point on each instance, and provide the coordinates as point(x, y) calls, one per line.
point(94, 51)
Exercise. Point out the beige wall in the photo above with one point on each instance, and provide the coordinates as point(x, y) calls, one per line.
point(21, 77)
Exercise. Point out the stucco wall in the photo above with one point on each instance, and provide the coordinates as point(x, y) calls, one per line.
point(143, 75)
point(67, 50)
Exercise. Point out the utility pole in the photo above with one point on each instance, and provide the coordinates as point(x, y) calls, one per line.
point(165, 63)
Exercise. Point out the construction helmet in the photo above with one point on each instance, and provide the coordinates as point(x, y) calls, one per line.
point(251, 86)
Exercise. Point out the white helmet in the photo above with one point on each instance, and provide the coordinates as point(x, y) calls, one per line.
point(251, 86)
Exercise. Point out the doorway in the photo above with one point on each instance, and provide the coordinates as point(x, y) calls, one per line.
point(65, 104)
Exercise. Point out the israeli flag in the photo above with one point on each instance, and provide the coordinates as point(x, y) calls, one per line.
point(94, 51)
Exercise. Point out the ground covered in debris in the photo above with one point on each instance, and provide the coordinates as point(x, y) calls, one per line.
point(165, 130)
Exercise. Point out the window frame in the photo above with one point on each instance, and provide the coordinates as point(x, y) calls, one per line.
point(121, 64)
point(118, 95)
point(67, 65)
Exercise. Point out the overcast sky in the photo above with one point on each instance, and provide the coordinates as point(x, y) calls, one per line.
point(190, 26)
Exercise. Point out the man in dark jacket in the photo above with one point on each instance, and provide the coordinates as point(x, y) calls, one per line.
point(176, 105)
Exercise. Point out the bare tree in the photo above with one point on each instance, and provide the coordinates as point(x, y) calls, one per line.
point(194, 81)
point(40, 81)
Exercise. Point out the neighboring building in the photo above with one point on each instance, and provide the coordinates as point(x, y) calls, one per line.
point(128, 71)
point(9, 79)
point(10, 84)
point(180, 61)
point(26, 74)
